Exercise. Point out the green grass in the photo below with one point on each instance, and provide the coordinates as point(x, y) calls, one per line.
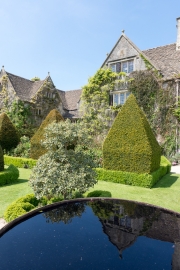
point(10, 193)
point(166, 193)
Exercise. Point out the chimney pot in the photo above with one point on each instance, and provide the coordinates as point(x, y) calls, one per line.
point(178, 34)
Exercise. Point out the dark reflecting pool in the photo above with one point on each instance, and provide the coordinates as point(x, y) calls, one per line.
point(93, 234)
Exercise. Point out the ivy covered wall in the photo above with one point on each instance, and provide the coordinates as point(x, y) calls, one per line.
point(158, 99)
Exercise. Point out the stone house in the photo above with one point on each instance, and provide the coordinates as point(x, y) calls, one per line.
point(127, 57)
point(42, 96)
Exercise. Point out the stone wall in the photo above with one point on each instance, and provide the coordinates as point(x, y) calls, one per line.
point(124, 50)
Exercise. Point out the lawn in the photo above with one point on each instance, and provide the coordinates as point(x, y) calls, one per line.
point(165, 193)
point(10, 193)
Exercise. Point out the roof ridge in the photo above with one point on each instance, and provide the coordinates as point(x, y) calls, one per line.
point(159, 47)
point(22, 77)
point(18, 76)
point(73, 90)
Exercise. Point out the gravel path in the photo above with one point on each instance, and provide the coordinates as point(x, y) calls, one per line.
point(2, 223)
point(174, 169)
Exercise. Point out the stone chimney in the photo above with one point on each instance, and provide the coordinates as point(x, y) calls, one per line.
point(178, 34)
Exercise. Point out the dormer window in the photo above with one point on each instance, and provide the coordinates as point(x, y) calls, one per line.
point(124, 66)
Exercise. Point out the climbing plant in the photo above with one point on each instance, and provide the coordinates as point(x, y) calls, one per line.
point(20, 115)
point(157, 98)
point(97, 112)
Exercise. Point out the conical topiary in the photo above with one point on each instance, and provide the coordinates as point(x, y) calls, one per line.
point(1, 160)
point(37, 149)
point(9, 137)
point(130, 144)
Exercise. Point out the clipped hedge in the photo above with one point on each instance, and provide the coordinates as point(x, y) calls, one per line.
point(20, 162)
point(130, 145)
point(1, 159)
point(20, 207)
point(9, 175)
point(37, 149)
point(9, 137)
point(30, 198)
point(135, 179)
point(99, 193)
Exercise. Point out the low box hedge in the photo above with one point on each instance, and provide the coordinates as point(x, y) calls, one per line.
point(20, 207)
point(9, 175)
point(135, 179)
point(20, 162)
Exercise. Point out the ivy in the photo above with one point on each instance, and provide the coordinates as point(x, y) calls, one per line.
point(97, 114)
point(157, 99)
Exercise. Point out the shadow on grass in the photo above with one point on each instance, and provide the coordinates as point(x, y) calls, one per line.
point(19, 181)
point(167, 181)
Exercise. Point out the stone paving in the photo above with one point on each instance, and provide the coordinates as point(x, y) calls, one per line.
point(174, 169)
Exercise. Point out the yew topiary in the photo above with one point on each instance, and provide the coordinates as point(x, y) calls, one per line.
point(1, 160)
point(37, 149)
point(9, 137)
point(130, 144)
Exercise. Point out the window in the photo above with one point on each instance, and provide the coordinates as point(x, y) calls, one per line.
point(125, 66)
point(120, 98)
point(38, 111)
point(116, 67)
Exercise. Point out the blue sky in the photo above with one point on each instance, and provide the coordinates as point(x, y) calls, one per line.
point(70, 38)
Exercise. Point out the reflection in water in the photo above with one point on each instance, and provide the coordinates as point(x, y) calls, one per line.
point(124, 221)
point(65, 213)
point(108, 234)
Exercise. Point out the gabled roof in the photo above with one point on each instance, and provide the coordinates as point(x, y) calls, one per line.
point(25, 89)
point(70, 98)
point(166, 59)
point(132, 44)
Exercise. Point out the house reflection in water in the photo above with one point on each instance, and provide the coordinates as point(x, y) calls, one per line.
point(126, 221)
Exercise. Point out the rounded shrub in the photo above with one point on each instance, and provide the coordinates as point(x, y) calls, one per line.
point(20, 207)
point(15, 210)
point(99, 193)
point(9, 175)
point(30, 198)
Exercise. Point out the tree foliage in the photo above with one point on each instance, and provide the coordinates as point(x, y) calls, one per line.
point(35, 79)
point(66, 166)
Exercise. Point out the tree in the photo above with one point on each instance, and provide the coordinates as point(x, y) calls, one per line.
point(66, 166)
point(35, 79)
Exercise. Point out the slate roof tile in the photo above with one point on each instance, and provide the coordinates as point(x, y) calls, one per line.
point(166, 58)
point(24, 88)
